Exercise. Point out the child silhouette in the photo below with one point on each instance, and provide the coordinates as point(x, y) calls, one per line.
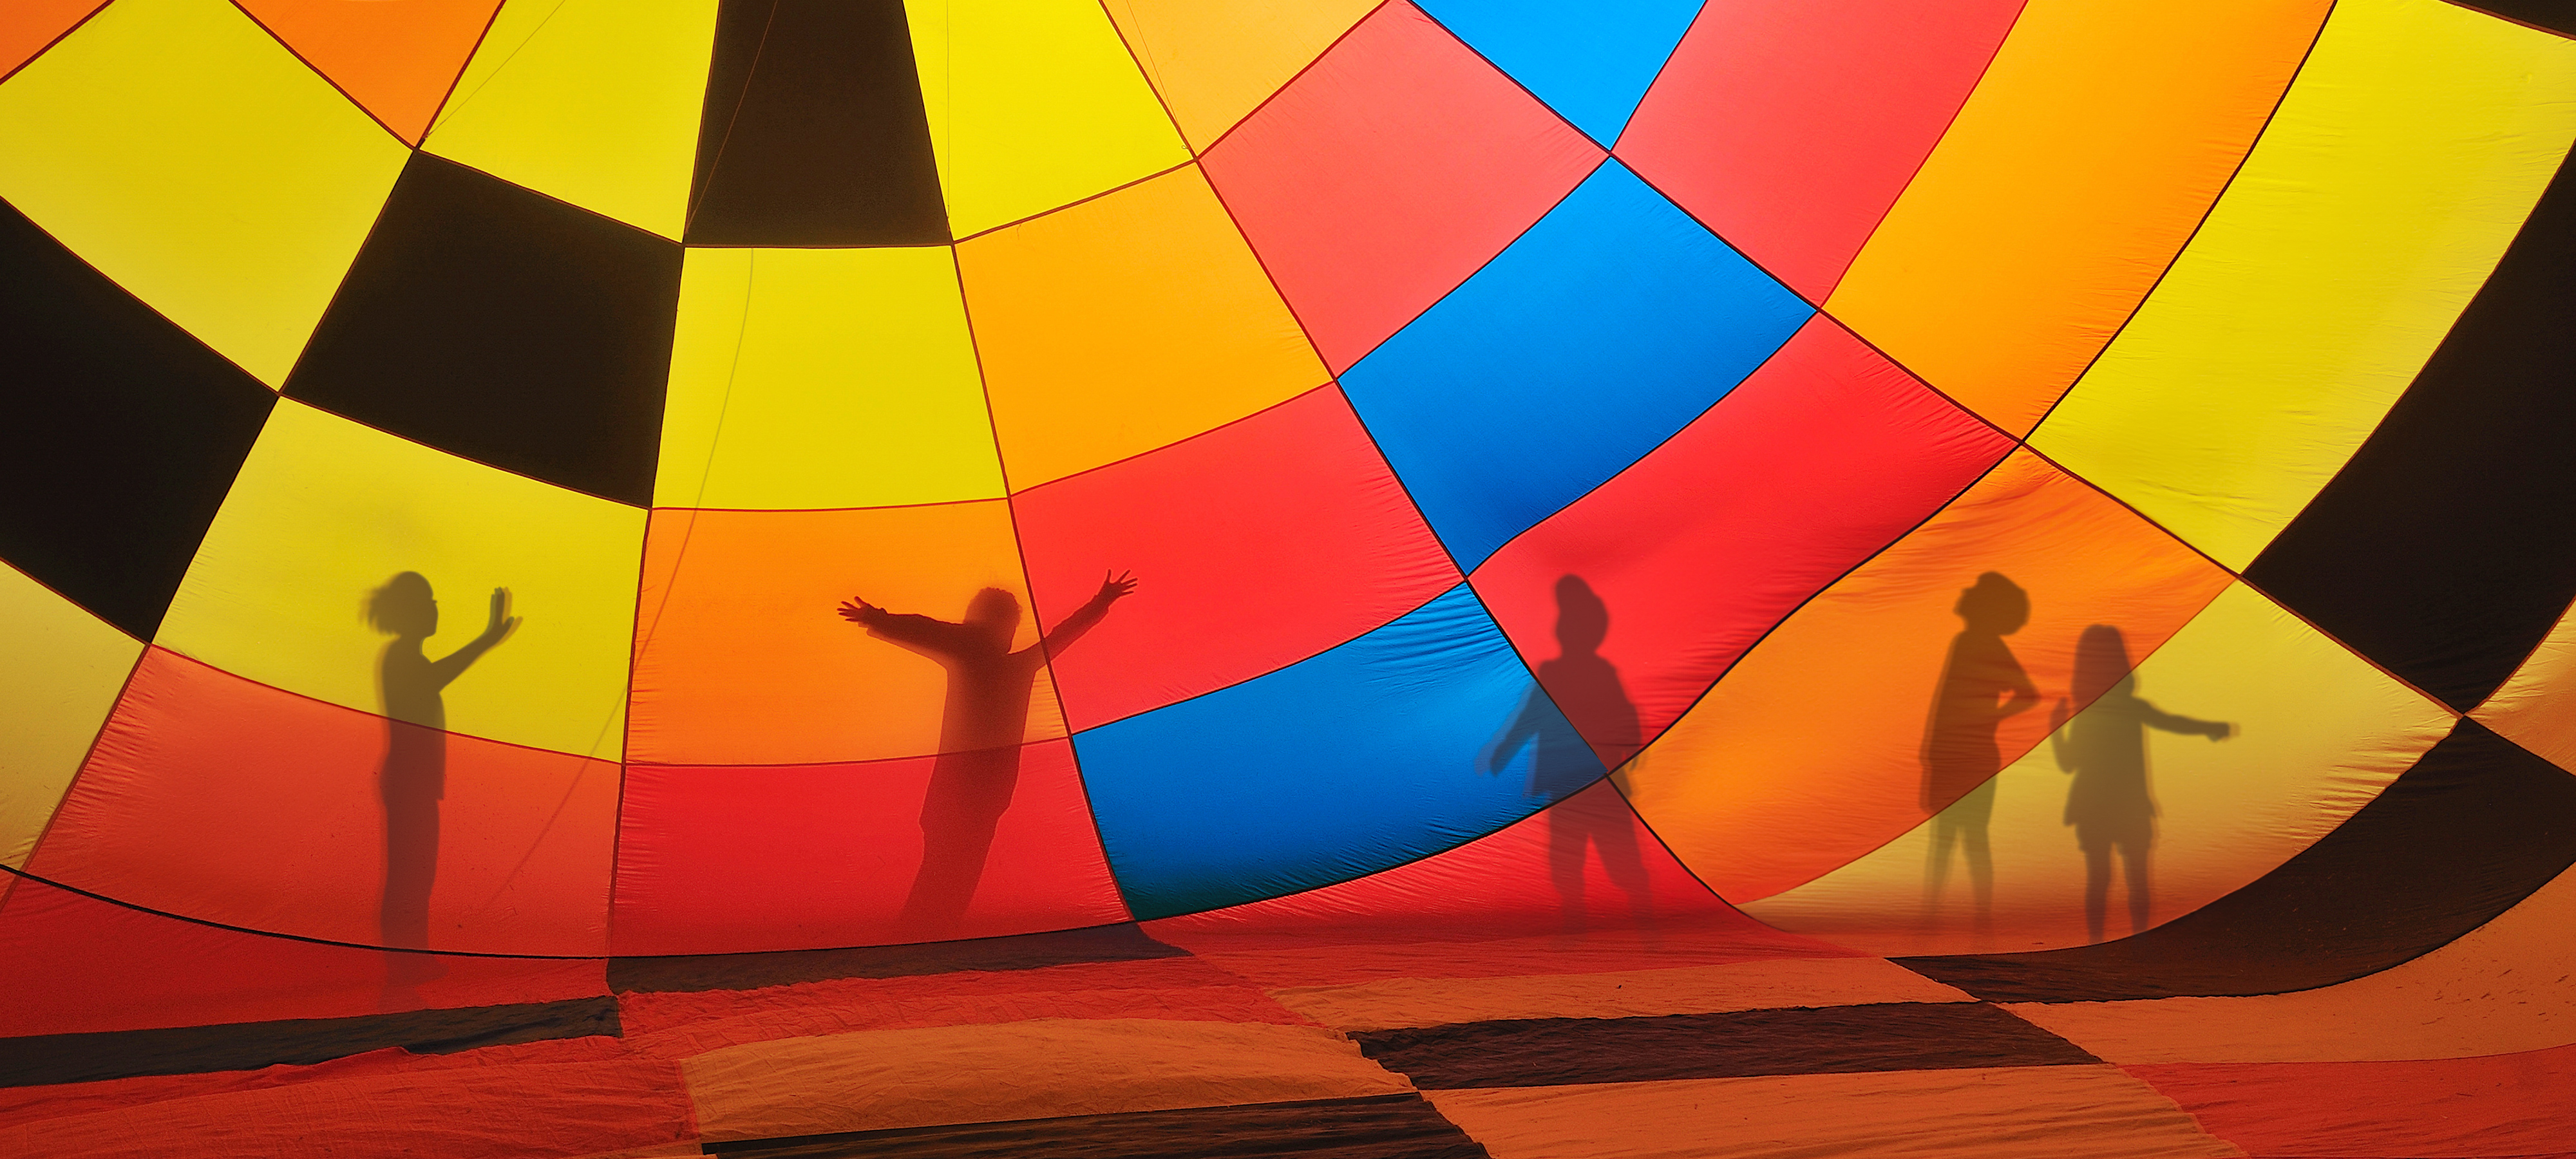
point(980, 729)
point(413, 778)
point(1982, 684)
point(2109, 803)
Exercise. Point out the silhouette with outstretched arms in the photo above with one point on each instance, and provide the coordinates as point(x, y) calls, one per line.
point(1581, 722)
point(980, 729)
point(1982, 685)
point(413, 778)
point(2110, 803)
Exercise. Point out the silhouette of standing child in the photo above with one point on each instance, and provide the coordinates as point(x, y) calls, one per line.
point(980, 730)
point(1583, 711)
point(1982, 684)
point(2109, 802)
point(413, 778)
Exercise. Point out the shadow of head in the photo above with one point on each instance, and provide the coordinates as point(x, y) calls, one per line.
point(996, 613)
point(404, 607)
point(1994, 604)
point(2101, 663)
point(1582, 620)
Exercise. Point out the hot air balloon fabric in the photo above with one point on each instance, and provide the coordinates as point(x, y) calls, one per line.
point(1452, 576)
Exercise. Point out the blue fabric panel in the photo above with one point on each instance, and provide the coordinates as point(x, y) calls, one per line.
point(1590, 62)
point(1608, 326)
point(1344, 764)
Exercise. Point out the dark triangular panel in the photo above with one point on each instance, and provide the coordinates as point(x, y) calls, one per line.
point(2447, 547)
point(504, 326)
point(2557, 16)
point(813, 133)
point(123, 433)
point(2477, 825)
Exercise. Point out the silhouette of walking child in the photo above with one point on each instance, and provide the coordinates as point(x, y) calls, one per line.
point(413, 778)
point(2110, 803)
point(1582, 711)
point(980, 729)
point(1982, 685)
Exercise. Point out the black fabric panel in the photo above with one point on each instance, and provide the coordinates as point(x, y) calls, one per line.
point(2557, 16)
point(813, 132)
point(1118, 943)
point(2446, 547)
point(122, 433)
point(1538, 1052)
point(507, 327)
point(2474, 827)
point(1380, 1127)
point(116, 1054)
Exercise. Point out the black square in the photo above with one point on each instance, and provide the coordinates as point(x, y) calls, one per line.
point(505, 326)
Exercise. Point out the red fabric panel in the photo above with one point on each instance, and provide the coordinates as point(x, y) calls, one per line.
point(1789, 126)
point(215, 797)
point(720, 859)
point(1386, 173)
point(72, 964)
point(2498, 1104)
point(30, 1104)
point(1260, 543)
point(503, 1112)
point(1584, 864)
point(1825, 455)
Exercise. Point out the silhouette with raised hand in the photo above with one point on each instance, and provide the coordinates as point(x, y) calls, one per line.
point(1982, 684)
point(1581, 721)
point(2110, 803)
point(980, 730)
point(413, 778)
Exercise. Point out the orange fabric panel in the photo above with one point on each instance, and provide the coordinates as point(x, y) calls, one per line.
point(740, 657)
point(396, 58)
point(1813, 750)
point(28, 27)
point(2086, 156)
point(215, 797)
point(1213, 61)
point(2028, 1112)
point(1121, 324)
point(462, 1113)
point(1763, 985)
point(73, 965)
point(2507, 1104)
point(909, 1078)
point(2499, 988)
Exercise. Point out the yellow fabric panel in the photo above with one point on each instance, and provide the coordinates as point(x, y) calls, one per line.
point(1214, 61)
point(64, 669)
point(2536, 706)
point(2093, 144)
point(823, 378)
point(1811, 751)
point(180, 149)
point(326, 511)
point(1766, 985)
point(880, 1079)
point(1032, 105)
point(2499, 989)
point(2019, 1112)
point(2397, 170)
point(1125, 324)
point(2320, 732)
point(594, 102)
